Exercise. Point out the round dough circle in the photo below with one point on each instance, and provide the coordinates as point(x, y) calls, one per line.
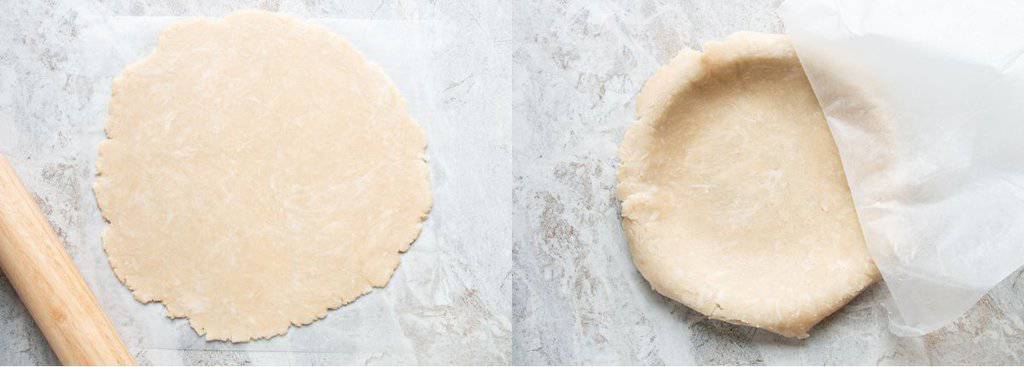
point(733, 196)
point(258, 172)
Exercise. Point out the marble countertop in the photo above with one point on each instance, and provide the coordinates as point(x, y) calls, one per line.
point(523, 259)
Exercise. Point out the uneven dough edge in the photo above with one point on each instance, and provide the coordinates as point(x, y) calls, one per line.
point(683, 71)
point(113, 123)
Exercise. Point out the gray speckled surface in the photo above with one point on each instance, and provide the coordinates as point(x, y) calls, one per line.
point(523, 259)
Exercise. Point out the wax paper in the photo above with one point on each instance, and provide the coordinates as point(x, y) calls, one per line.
point(369, 329)
point(925, 100)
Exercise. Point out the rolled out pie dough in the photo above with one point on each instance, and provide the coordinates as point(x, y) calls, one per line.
point(733, 196)
point(259, 171)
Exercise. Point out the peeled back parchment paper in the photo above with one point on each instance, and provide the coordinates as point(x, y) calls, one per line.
point(925, 100)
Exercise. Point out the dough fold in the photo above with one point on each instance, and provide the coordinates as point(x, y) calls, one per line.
point(733, 196)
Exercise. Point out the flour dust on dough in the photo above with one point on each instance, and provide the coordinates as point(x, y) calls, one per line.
point(733, 196)
point(258, 172)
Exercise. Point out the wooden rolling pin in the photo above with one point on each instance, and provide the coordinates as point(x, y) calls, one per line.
point(35, 262)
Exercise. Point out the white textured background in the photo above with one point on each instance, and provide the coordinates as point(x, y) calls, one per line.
point(523, 259)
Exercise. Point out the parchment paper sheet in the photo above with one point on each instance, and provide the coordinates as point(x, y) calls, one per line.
point(926, 102)
point(401, 48)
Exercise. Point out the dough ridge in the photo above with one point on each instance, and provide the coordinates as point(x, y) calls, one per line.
point(733, 196)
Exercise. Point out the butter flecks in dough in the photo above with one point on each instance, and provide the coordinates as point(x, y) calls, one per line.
point(258, 172)
point(733, 196)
